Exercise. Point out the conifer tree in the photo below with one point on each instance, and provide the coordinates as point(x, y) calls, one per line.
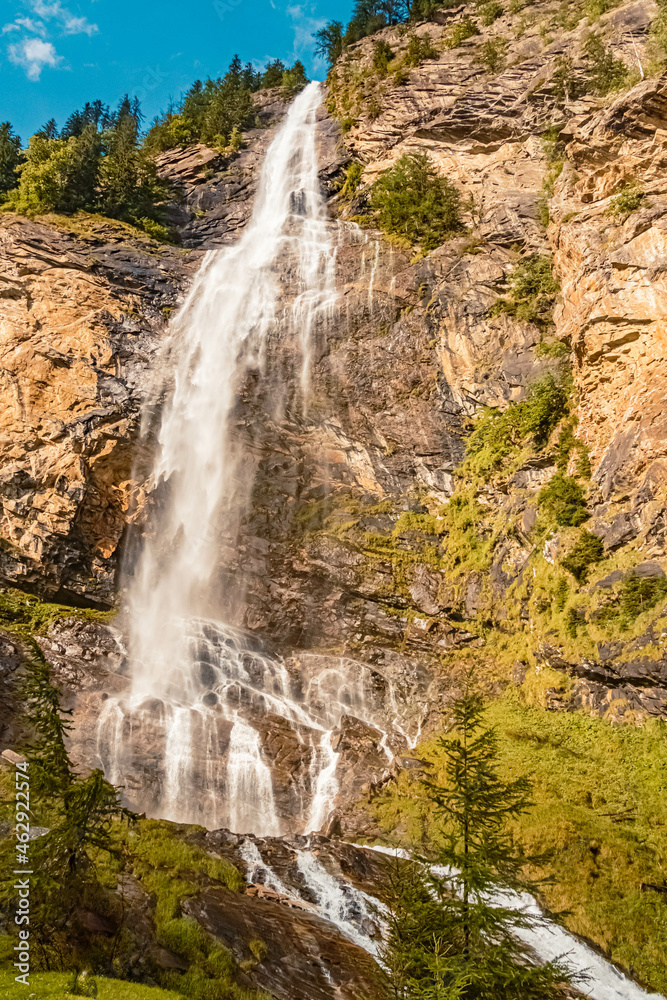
point(473, 951)
point(10, 157)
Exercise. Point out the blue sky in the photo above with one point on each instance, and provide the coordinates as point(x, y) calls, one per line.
point(57, 54)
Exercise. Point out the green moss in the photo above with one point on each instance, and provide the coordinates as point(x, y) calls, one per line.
point(600, 810)
point(26, 615)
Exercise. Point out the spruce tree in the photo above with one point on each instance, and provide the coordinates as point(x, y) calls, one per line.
point(474, 951)
point(10, 157)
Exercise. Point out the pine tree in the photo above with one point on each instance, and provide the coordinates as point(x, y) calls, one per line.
point(273, 74)
point(329, 41)
point(474, 951)
point(10, 157)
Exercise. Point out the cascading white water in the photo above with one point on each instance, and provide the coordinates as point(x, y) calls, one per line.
point(202, 700)
point(218, 336)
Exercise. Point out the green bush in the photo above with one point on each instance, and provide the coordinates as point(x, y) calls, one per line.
point(587, 550)
point(532, 291)
point(492, 54)
point(351, 180)
point(561, 594)
point(605, 72)
point(382, 56)
point(563, 501)
point(420, 47)
point(498, 435)
point(565, 84)
point(490, 12)
point(639, 594)
point(466, 28)
point(626, 202)
point(423, 10)
point(413, 202)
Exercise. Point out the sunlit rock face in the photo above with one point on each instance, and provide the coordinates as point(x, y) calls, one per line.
point(340, 448)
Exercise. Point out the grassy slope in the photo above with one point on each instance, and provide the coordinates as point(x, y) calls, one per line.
point(599, 806)
point(55, 986)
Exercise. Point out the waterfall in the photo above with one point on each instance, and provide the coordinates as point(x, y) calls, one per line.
point(205, 704)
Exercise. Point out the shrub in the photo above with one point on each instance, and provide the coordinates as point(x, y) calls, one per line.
point(420, 47)
point(626, 202)
point(639, 594)
point(156, 231)
point(596, 8)
point(605, 72)
point(497, 435)
point(351, 180)
point(492, 54)
point(563, 501)
point(258, 948)
point(561, 593)
point(413, 202)
point(587, 550)
point(466, 28)
point(566, 86)
point(532, 291)
point(490, 12)
point(373, 108)
point(423, 10)
point(382, 56)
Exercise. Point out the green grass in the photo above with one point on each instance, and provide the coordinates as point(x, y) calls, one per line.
point(600, 809)
point(55, 986)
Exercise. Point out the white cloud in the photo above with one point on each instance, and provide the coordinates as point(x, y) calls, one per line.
point(304, 25)
point(34, 54)
point(34, 51)
point(28, 24)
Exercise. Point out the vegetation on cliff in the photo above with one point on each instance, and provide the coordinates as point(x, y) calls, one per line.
point(415, 205)
point(214, 111)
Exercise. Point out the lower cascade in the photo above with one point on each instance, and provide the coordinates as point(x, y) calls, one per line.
point(203, 695)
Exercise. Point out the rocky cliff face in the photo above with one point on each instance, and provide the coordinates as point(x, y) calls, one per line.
point(350, 547)
point(339, 551)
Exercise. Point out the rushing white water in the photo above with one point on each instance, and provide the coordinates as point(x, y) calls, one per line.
point(600, 980)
